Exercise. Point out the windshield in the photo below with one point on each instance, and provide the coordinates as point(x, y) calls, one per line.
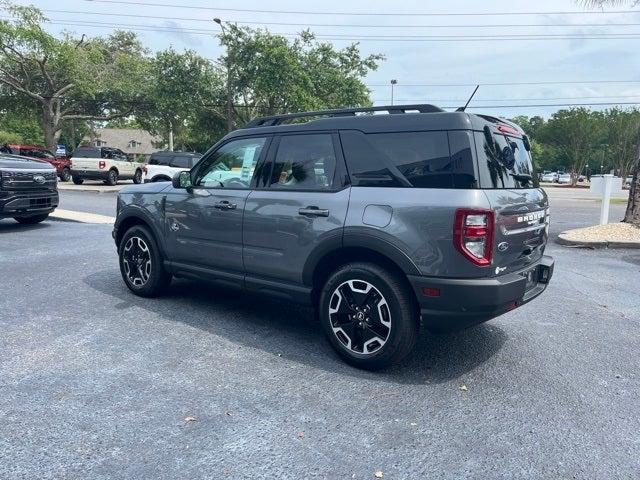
point(504, 162)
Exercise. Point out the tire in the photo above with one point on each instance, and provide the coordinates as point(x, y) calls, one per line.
point(31, 220)
point(161, 179)
point(65, 175)
point(78, 180)
point(148, 277)
point(363, 335)
point(112, 178)
point(137, 177)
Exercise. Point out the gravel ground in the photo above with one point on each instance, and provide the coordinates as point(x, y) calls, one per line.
point(96, 383)
point(612, 232)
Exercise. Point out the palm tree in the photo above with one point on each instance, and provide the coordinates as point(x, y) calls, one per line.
point(632, 215)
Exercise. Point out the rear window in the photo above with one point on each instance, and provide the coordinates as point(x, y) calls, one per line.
point(181, 162)
point(160, 159)
point(497, 169)
point(86, 153)
point(409, 159)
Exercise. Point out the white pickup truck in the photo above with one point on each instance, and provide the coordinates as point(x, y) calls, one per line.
point(103, 163)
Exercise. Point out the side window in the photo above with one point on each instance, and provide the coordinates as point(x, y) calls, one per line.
point(181, 162)
point(231, 166)
point(421, 157)
point(305, 162)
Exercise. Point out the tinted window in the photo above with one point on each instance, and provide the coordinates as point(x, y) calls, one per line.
point(499, 158)
point(87, 153)
point(421, 157)
point(159, 159)
point(304, 162)
point(181, 162)
point(410, 159)
point(232, 165)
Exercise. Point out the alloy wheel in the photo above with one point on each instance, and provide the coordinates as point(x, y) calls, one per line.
point(360, 317)
point(136, 260)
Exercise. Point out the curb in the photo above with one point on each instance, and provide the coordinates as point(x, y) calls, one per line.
point(82, 217)
point(563, 240)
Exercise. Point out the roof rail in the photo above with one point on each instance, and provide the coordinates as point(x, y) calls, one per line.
point(341, 112)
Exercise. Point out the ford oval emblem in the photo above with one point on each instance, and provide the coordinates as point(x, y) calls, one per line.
point(39, 179)
point(503, 247)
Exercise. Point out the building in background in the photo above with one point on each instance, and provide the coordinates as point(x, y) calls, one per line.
point(134, 142)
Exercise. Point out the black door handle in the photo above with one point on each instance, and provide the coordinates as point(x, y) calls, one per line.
point(225, 205)
point(313, 211)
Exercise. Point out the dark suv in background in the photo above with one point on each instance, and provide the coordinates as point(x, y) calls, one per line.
point(28, 189)
point(375, 219)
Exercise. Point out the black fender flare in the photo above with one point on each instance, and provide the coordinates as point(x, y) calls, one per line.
point(132, 211)
point(359, 237)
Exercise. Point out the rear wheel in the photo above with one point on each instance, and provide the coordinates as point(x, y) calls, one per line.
point(141, 263)
point(369, 315)
point(65, 175)
point(137, 177)
point(31, 220)
point(78, 180)
point(112, 178)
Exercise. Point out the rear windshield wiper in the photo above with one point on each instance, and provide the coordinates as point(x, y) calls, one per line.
point(522, 177)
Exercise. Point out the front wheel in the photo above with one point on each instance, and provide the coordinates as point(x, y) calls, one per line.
point(369, 315)
point(31, 220)
point(137, 177)
point(78, 180)
point(112, 178)
point(65, 175)
point(141, 263)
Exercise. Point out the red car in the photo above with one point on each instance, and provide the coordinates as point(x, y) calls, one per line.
point(62, 164)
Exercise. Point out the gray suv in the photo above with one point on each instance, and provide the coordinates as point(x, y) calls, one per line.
point(377, 220)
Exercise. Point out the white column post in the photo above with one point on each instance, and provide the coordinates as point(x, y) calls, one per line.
point(606, 197)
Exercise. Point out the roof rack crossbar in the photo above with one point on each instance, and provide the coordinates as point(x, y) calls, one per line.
point(274, 120)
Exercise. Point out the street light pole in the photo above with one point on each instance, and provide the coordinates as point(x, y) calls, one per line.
point(229, 93)
point(393, 83)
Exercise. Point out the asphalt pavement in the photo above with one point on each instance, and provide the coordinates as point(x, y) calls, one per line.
point(206, 383)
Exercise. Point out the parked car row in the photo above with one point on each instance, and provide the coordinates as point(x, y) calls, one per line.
point(559, 177)
point(108, 164)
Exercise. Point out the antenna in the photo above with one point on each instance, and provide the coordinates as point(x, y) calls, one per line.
point(462, 109)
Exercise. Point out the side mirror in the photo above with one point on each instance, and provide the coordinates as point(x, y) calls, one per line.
point(182, 179)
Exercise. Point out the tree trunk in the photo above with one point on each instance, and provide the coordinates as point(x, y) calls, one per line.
point(632, 214)
point(50, 127)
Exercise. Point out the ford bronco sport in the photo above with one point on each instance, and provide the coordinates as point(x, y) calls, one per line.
point(377, 220)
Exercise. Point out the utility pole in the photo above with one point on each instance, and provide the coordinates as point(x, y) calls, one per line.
point(393, 83)
point(229, 92)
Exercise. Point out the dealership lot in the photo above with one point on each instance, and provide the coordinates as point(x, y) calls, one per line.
point(95, 382)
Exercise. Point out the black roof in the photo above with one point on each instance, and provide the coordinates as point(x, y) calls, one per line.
point(398, 118)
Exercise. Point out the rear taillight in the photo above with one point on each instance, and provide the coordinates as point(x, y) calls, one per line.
point(101, 164)
point(473, 234)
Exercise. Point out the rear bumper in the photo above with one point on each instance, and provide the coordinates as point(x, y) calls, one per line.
point(23, 204)
point(465, 302)
point(91, 174)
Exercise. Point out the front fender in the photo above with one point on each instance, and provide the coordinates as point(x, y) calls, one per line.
point(152, 219)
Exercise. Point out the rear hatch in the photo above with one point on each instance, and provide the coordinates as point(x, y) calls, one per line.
point(86, 158)
point(520, 207)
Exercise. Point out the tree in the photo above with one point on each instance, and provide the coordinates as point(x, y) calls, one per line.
point(574, 133)
point(68, 78)
point(269, 74)
point(632, 214)
point(183, 86)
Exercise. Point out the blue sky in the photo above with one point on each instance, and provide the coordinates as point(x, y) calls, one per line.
point(446, 63)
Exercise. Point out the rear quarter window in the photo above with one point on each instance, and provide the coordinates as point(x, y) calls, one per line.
point(410, 159)
point(86, 153)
